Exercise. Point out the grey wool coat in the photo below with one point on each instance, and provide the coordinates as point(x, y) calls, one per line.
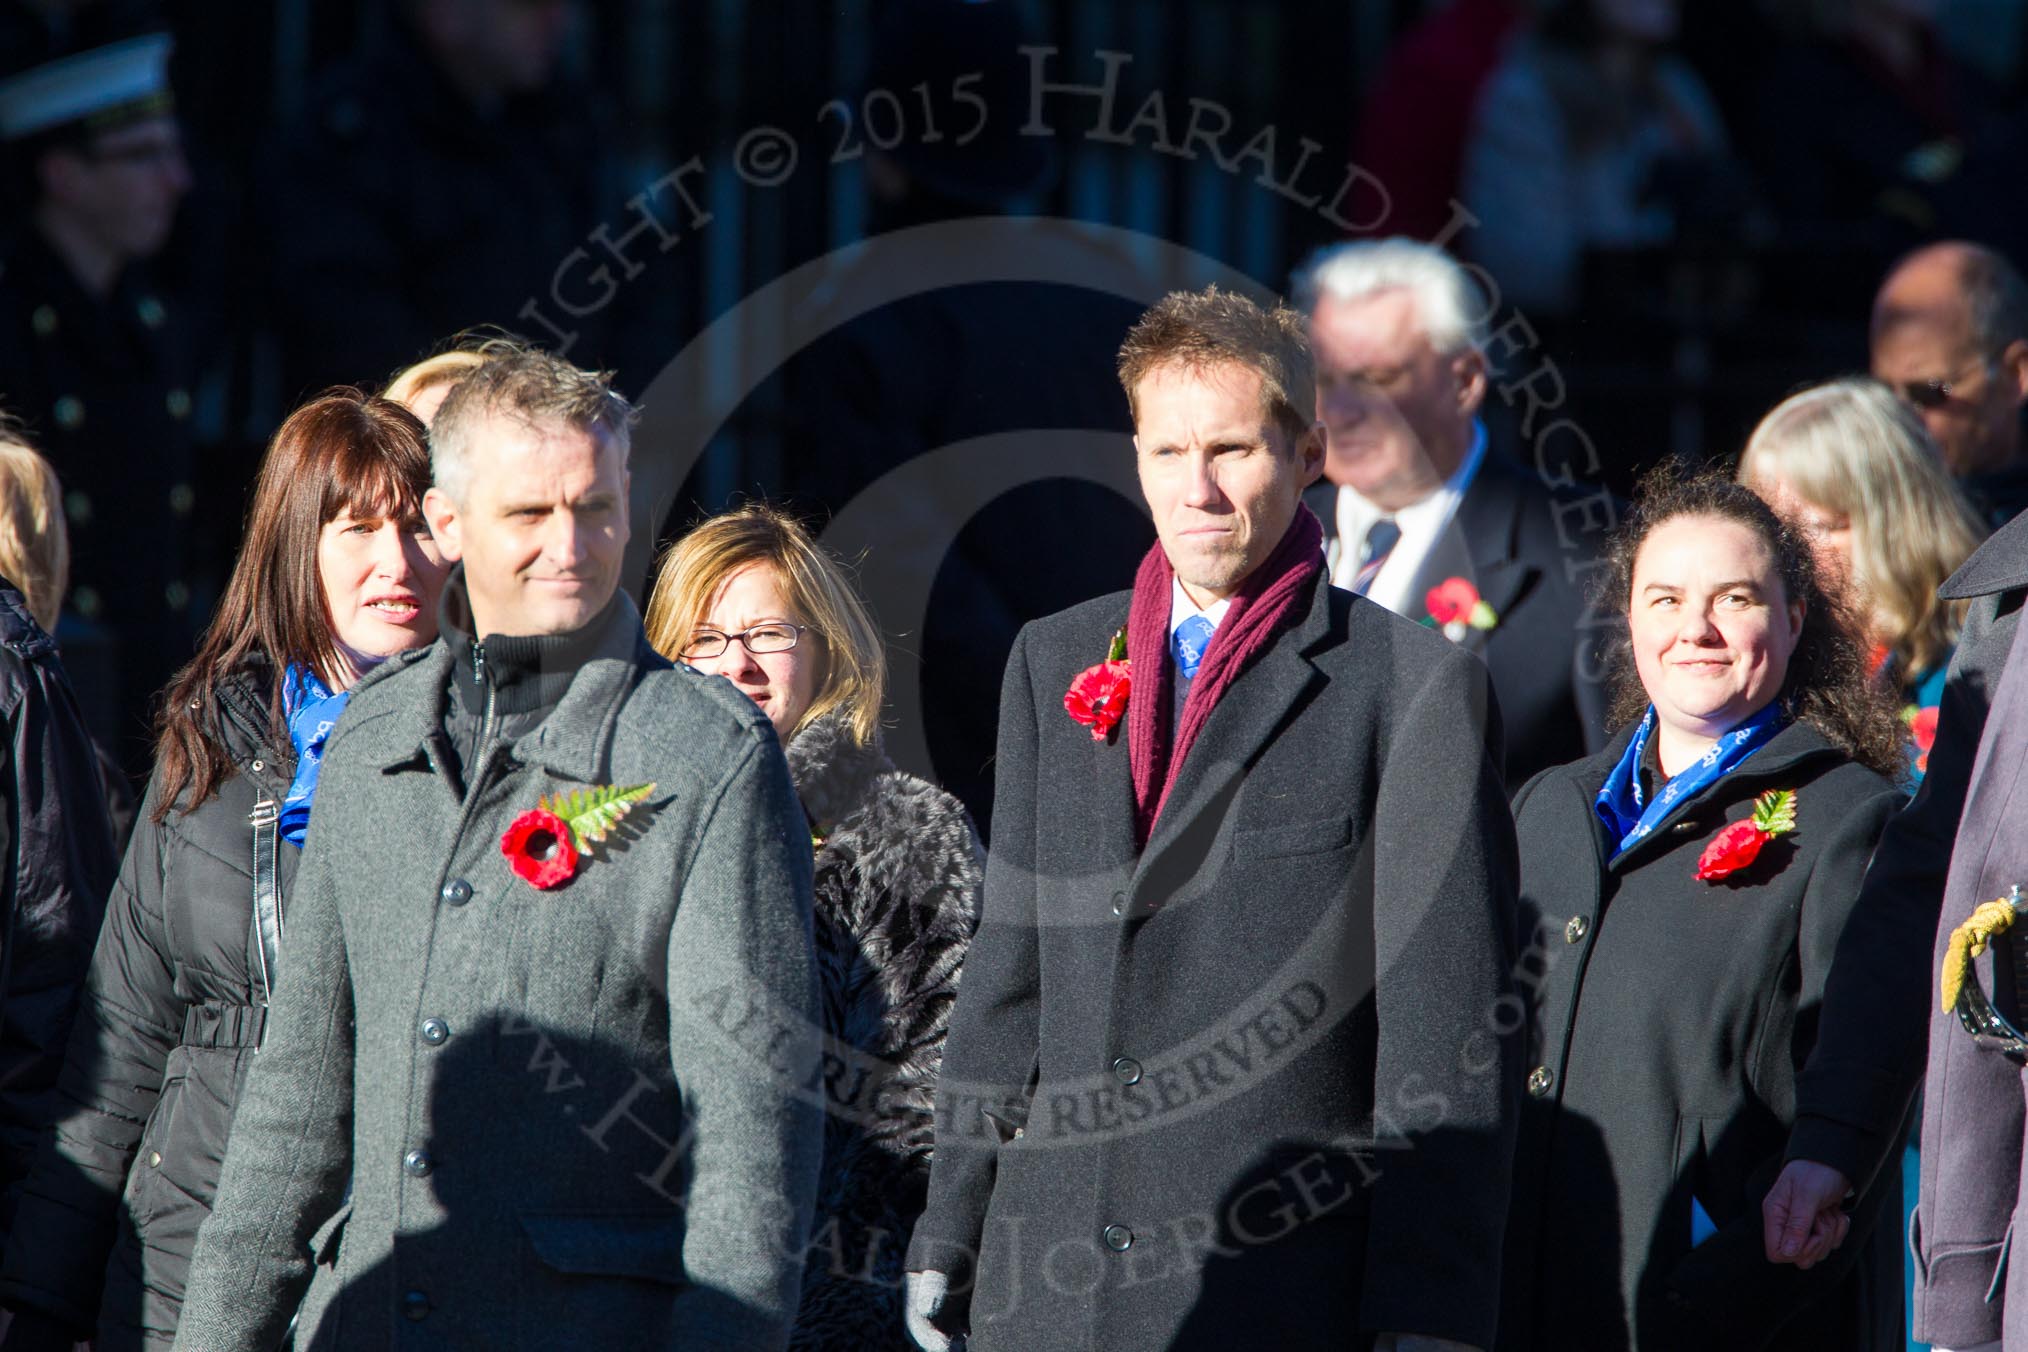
point(897, 896)
point(1243, 1087)
point(574, 1118)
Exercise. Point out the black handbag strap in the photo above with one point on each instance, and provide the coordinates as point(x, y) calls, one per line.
point(267, 894)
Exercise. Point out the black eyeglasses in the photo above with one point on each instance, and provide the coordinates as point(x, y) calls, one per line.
point(773, 637)
point(1935, 394)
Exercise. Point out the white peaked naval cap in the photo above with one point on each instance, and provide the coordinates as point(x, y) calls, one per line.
point(86, 85)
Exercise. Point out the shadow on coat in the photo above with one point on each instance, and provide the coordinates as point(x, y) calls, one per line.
point(1561, 1283)
point(1725, 1292)
point(1290, 1246)
point(559, 1223)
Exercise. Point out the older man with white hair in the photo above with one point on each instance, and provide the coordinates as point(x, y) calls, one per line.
point(1420, 517)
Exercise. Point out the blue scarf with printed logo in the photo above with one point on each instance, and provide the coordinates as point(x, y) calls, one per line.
point(1619, 802)
point(312, 711)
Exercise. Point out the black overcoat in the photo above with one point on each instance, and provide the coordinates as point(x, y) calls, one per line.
point(1225, 1138)
point(1669, 1018)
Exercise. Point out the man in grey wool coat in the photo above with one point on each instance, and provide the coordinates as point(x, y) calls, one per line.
point(561, 1075)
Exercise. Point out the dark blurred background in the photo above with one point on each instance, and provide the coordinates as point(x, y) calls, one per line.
point(366, 177)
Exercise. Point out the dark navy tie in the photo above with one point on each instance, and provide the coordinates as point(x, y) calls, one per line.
point(1188, 643)
point(1381, 538)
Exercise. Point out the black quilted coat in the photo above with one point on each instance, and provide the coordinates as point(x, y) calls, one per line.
point(897, 889)
point(163, 1039)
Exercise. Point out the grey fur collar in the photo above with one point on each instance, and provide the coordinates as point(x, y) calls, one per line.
point(832, 773)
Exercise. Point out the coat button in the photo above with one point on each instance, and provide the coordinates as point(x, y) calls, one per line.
point(1119, 1238)
point(259, 765)
point(1128, 1070)
point(1119, 903)
point(457, 891)
point(1688, 828)
point(418, 1163)
point(154, 1159)
point(1539, 1081)
point(436, 1032)
point(1576, 929)
point(416, 1305)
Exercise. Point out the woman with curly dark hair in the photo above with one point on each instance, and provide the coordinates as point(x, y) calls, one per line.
point(1681, 895)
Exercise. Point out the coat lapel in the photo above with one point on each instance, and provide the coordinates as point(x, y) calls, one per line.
point(1254, 708)
point(1488, 518)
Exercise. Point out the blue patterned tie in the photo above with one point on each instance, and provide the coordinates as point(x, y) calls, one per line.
point(1188, 643)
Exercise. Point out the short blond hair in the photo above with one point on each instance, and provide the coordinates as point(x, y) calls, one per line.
point(1201, 330)
point(853, 680)
point(34, 541)
point(457, 358)
point(445, 368)
point(1851, 447)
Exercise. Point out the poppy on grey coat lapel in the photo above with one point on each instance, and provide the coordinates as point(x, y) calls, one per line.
point(1243, 1087)
point(565, 1118)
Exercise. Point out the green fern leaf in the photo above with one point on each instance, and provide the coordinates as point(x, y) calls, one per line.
point(594, 813)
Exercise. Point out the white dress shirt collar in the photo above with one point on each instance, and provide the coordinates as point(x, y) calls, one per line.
point(1181, 607)
point(1421, 524)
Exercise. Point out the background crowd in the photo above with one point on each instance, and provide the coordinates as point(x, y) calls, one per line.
point(1770, 234)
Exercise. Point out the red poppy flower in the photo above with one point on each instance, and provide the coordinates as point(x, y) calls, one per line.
point(1732, 849)
point(1452, 599)
point(539, 848)
point(1098, 697)
point(1922, 731)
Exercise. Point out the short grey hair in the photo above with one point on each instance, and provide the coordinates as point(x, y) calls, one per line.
point(1449, 303)
point(537, 387)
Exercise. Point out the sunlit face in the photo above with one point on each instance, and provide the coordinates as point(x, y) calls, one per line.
point(783, 683)
point(124, 189)
point(380, 576)
point(1965, 401)
point(1829, 532)
point(1712, 625)
point(1221, 478)
point(545, 531)
point(1396, 411)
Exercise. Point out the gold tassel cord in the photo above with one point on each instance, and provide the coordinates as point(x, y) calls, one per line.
point(1968, 941)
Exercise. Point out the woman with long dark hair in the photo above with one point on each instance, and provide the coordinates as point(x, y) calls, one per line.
point(337, 572)
point(1681, 895)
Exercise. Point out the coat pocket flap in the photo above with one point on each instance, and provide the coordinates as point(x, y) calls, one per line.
point(1294, 838)
point(648, 1246)
point(324, 1242)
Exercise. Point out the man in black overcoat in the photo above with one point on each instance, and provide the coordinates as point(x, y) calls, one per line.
point(1412, 498)
point(1852, 1099)
point(1227, 1065)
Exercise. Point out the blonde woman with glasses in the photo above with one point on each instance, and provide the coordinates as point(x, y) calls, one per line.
point(1851, 465)
point(750, 596)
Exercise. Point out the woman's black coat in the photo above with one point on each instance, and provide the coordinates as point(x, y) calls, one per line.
point(108, 1218)
point(1668, 1020)
point(897, 897)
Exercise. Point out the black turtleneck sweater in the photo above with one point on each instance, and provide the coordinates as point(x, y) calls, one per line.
point(502, 685)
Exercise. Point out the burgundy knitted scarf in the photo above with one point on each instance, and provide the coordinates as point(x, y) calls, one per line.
point(1265, 603)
